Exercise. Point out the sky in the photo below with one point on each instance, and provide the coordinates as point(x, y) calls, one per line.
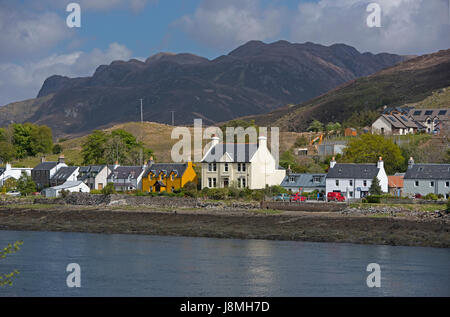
point(35, 41)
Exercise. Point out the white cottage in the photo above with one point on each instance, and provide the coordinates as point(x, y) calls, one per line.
point(12, 172)
point(70, 186)
point(244, 164)
point(354, 180)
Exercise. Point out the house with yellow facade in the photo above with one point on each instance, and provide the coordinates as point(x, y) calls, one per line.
point(159, 177)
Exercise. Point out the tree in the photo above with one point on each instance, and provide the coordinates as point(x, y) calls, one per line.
point(369, 147)
point(10, 184)
point(93, 150)
point(336, 127)
point(301, 141)
point(57, 149)
point(375, 188)
point(26, 185)
point(316, 126)
point(7, 151)
point(41, 140)
point(6, 279)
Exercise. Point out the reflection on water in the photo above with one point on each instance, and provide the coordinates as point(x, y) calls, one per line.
point(136, 265)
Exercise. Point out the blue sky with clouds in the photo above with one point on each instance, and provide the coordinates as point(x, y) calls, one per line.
point(36, 43)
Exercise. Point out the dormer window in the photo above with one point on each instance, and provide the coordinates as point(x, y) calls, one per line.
point(316, 179)
point(291, 179)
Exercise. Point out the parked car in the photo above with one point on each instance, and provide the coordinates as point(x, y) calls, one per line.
point(297, 197)
point(335, 196)
point(13, 193)
point(281, 197)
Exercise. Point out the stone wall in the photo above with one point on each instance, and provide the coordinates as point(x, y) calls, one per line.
point(303, 206)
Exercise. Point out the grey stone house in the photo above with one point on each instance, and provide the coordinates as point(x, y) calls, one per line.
point(424, 179)
point(43, 172)
point(304, 182)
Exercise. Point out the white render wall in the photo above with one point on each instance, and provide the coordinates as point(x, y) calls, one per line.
point(263, 168)
point(381, 123)
point(13, 172)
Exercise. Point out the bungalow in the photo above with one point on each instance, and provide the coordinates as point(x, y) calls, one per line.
point(95, 176)
point(244, 164)
point(12, 172)
point(424, 179)
point(127, 177)
point(43, 172)
point(304, 182)
point(167, 177)
point(354, 180)
point(70, 186)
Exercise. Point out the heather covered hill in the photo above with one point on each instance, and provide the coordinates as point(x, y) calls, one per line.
point(253, 79)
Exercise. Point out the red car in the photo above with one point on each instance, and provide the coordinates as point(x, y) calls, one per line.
point(297, 197)
point(335, 196)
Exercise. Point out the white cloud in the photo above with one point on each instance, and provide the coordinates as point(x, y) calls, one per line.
point(19, 82)
point(407, 26)
point(22, 33)
point(224, 24)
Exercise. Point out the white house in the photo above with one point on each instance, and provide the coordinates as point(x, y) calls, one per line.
point(71, 186)
point(354, 180)
point(12, 172)
point(43, 172)
point(65, 174)
point(244, 164)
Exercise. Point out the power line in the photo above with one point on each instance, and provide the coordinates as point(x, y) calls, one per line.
point(173, 121)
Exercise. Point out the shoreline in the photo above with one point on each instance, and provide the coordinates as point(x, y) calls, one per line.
point(235, 224)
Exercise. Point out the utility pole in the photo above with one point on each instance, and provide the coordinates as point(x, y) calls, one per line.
point(173, 122)
point(142, 136)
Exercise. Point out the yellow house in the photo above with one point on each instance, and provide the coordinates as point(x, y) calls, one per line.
point(168, 177)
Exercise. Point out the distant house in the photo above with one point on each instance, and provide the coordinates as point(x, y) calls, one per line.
point(354, 180)
point(244, 164)
point(64, 174)
point(304, 182)
point(95, 176)
point(430, 119)
point(70, 186)
point(350, 132)
point(127, 177)
point(394, 124)
point(168, 177)
point(331, 148)
point(395, 185)
point(43, 172)
point(12, 172)
point(424, 179)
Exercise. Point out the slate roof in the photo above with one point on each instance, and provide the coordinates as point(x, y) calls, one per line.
point(45, 166)
point(422, 114)
point(428, 171)
point(239, 152)
point(86, 171)
point(122, 172)
point(68, 184)
point(2, 169)
point(304, 180)
point(64, 173)
point(354, 171)
point(400, 121)
point(166, 168)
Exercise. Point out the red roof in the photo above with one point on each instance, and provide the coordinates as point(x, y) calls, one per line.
point(395, 181)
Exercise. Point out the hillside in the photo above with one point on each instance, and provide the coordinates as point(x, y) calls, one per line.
point(411, 81)
point(438, 99)
point(252, 79)
point(156, 136)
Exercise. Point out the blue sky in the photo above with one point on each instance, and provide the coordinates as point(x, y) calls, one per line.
point(36, 43)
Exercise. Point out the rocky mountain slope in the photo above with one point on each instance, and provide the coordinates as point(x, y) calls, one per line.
point(252, 79)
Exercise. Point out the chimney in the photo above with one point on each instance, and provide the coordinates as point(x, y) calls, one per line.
point(42, 159)
point(149, 162)
point(262, 141)
point(116, 164)
point(410, 162)
point(61, 158)
point(332, 162)
point(215, 140)
point(289, 171)
point(380, 163)
point(8, 166)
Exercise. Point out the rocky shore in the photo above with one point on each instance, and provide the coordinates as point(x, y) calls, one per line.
point(244, 221)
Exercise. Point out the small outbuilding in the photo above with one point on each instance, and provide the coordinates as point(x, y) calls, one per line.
point(70, 186)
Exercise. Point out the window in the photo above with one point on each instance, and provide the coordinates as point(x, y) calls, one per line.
point(351, 194)
point(225, 167)
point(337, 182)
point(447, 196)
point(291, 179)
point(242, 183)
point(428, 112)
point(442, 112)
point(173, 188)
point(351, 182)
point(365, 183)
point(316, 179)
point(416, 183)
point(212, 182)
point(241, 167)
point(431, 184)
point(447, 184)
point(212, 167)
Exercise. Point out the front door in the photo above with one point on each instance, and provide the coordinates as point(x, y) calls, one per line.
point(100, 186)
point(225, 182)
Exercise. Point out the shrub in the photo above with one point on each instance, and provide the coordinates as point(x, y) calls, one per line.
point(218, 193)
point(257, 195)
point(109, 189)
point(64, 193)
point(95, 192)
point(448, 205)
point(430, 196)
point(373, 199)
